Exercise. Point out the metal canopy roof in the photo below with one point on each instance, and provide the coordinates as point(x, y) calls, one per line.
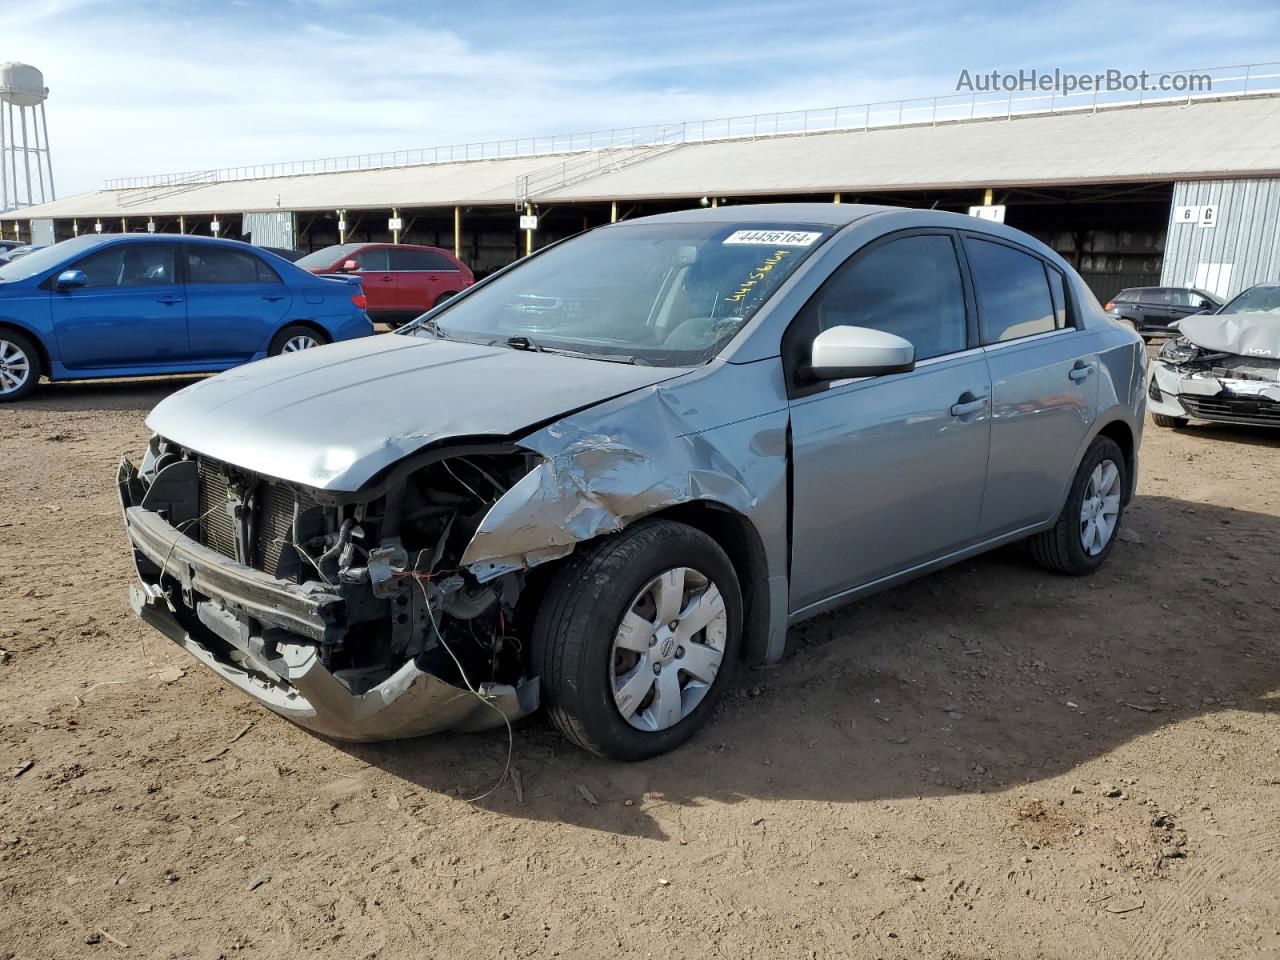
point(1203, 138)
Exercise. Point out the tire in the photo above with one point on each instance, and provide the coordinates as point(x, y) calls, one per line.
point(579, 623)
point(296, 334)
point(20, 367)
point(444, 297)
point(1161, 420)
point(1062, 548)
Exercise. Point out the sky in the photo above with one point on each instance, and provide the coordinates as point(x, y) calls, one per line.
point(167, 86)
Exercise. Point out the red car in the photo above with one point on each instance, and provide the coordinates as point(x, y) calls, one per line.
point(400, 280)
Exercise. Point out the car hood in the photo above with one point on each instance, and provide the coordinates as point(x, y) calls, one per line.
point(335, 416)
point(1245, 334)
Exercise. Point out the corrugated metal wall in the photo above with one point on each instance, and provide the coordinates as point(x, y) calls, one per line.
point(269, 229)
point(1241, 249)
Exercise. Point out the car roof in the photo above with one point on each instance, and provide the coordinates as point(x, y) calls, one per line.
point(86, 240)
point(827, 214)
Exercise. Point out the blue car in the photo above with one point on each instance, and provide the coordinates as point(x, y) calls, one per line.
point(139, 305)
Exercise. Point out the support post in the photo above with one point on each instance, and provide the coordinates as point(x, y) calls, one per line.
point(457, 232)
point(75, 228)
point(986, 198)
point(342, 226)
point(182, 223)
point(528, 234)
point(124, 224)
point(613, 212)
point(395, 234)
point(48, 158)
point(26, 155)
point(837, 198)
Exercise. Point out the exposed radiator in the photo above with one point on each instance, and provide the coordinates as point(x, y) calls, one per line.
point(217, 527)
point(273, 526)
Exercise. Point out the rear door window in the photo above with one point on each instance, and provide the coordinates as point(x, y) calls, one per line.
point(375, 260)
point(420, 260)
point(1154, 297)
point(209, 264)
point(1014, 300)
point(130, 265)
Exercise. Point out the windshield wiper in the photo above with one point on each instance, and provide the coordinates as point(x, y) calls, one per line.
point(521, 342)
point(524, 343)
point(430, 325)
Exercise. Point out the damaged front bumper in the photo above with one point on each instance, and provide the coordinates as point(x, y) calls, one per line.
point(262, 636)
point(1205, 394)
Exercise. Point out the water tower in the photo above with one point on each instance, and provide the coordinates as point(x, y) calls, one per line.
point(26, 176)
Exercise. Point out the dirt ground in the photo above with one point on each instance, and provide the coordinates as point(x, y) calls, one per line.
point(990, 762)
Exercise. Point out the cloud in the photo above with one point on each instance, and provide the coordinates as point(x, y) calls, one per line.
point(152, 87)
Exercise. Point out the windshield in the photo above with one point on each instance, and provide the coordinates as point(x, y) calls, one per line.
point(1255, 300)
point(32, 263)
point(670, 294)
point(327, 256)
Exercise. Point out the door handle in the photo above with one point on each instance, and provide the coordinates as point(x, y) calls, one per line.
point(966, 406)
point(386, 279)
point(271, 298)
point(1080, 372)
point(168, 299)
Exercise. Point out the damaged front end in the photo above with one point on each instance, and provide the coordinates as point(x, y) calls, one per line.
point(350, 614)
point(1190, 380)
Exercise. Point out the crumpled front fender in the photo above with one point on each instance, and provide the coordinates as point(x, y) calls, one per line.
point(718, 437)
point(603, 469)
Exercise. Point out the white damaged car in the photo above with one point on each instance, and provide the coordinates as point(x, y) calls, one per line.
point(1222, 366)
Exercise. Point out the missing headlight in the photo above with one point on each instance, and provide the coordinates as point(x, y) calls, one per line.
point(1178, 351)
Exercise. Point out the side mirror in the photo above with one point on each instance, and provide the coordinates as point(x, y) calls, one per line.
point(349, 266)
point(1174, 325)
point(842, 352)
point(1208, 306)
point(69, 279)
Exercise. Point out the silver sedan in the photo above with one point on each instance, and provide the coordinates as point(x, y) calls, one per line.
point(600, 479)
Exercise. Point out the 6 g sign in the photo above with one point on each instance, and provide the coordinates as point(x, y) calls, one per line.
point(1202, 215)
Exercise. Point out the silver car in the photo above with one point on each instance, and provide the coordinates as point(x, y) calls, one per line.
point(1222, 366)
point(602, 478)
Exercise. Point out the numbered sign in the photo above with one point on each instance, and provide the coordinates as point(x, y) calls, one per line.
point(1186, 214)
point(1208, 215)
point(528, 221)
point(993, 212)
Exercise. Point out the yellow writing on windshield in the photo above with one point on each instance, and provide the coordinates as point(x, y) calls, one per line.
point(758, 275)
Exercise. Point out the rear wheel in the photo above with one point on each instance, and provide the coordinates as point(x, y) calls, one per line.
point(294, 338)
point(1161, 420)
point(19, 366)
point(636, 638)
point(447, 295)
point(1086, 529)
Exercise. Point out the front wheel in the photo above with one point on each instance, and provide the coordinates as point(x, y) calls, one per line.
point(1086, 529)
point(636, 638)
point(19, 366)
point(294, 338)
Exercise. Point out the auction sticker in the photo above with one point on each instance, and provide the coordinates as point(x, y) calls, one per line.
point(774, 238)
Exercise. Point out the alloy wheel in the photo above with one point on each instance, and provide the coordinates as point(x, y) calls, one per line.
point(1100, 508)
point(668, 648)
point(15, 367)
point(302, 341)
